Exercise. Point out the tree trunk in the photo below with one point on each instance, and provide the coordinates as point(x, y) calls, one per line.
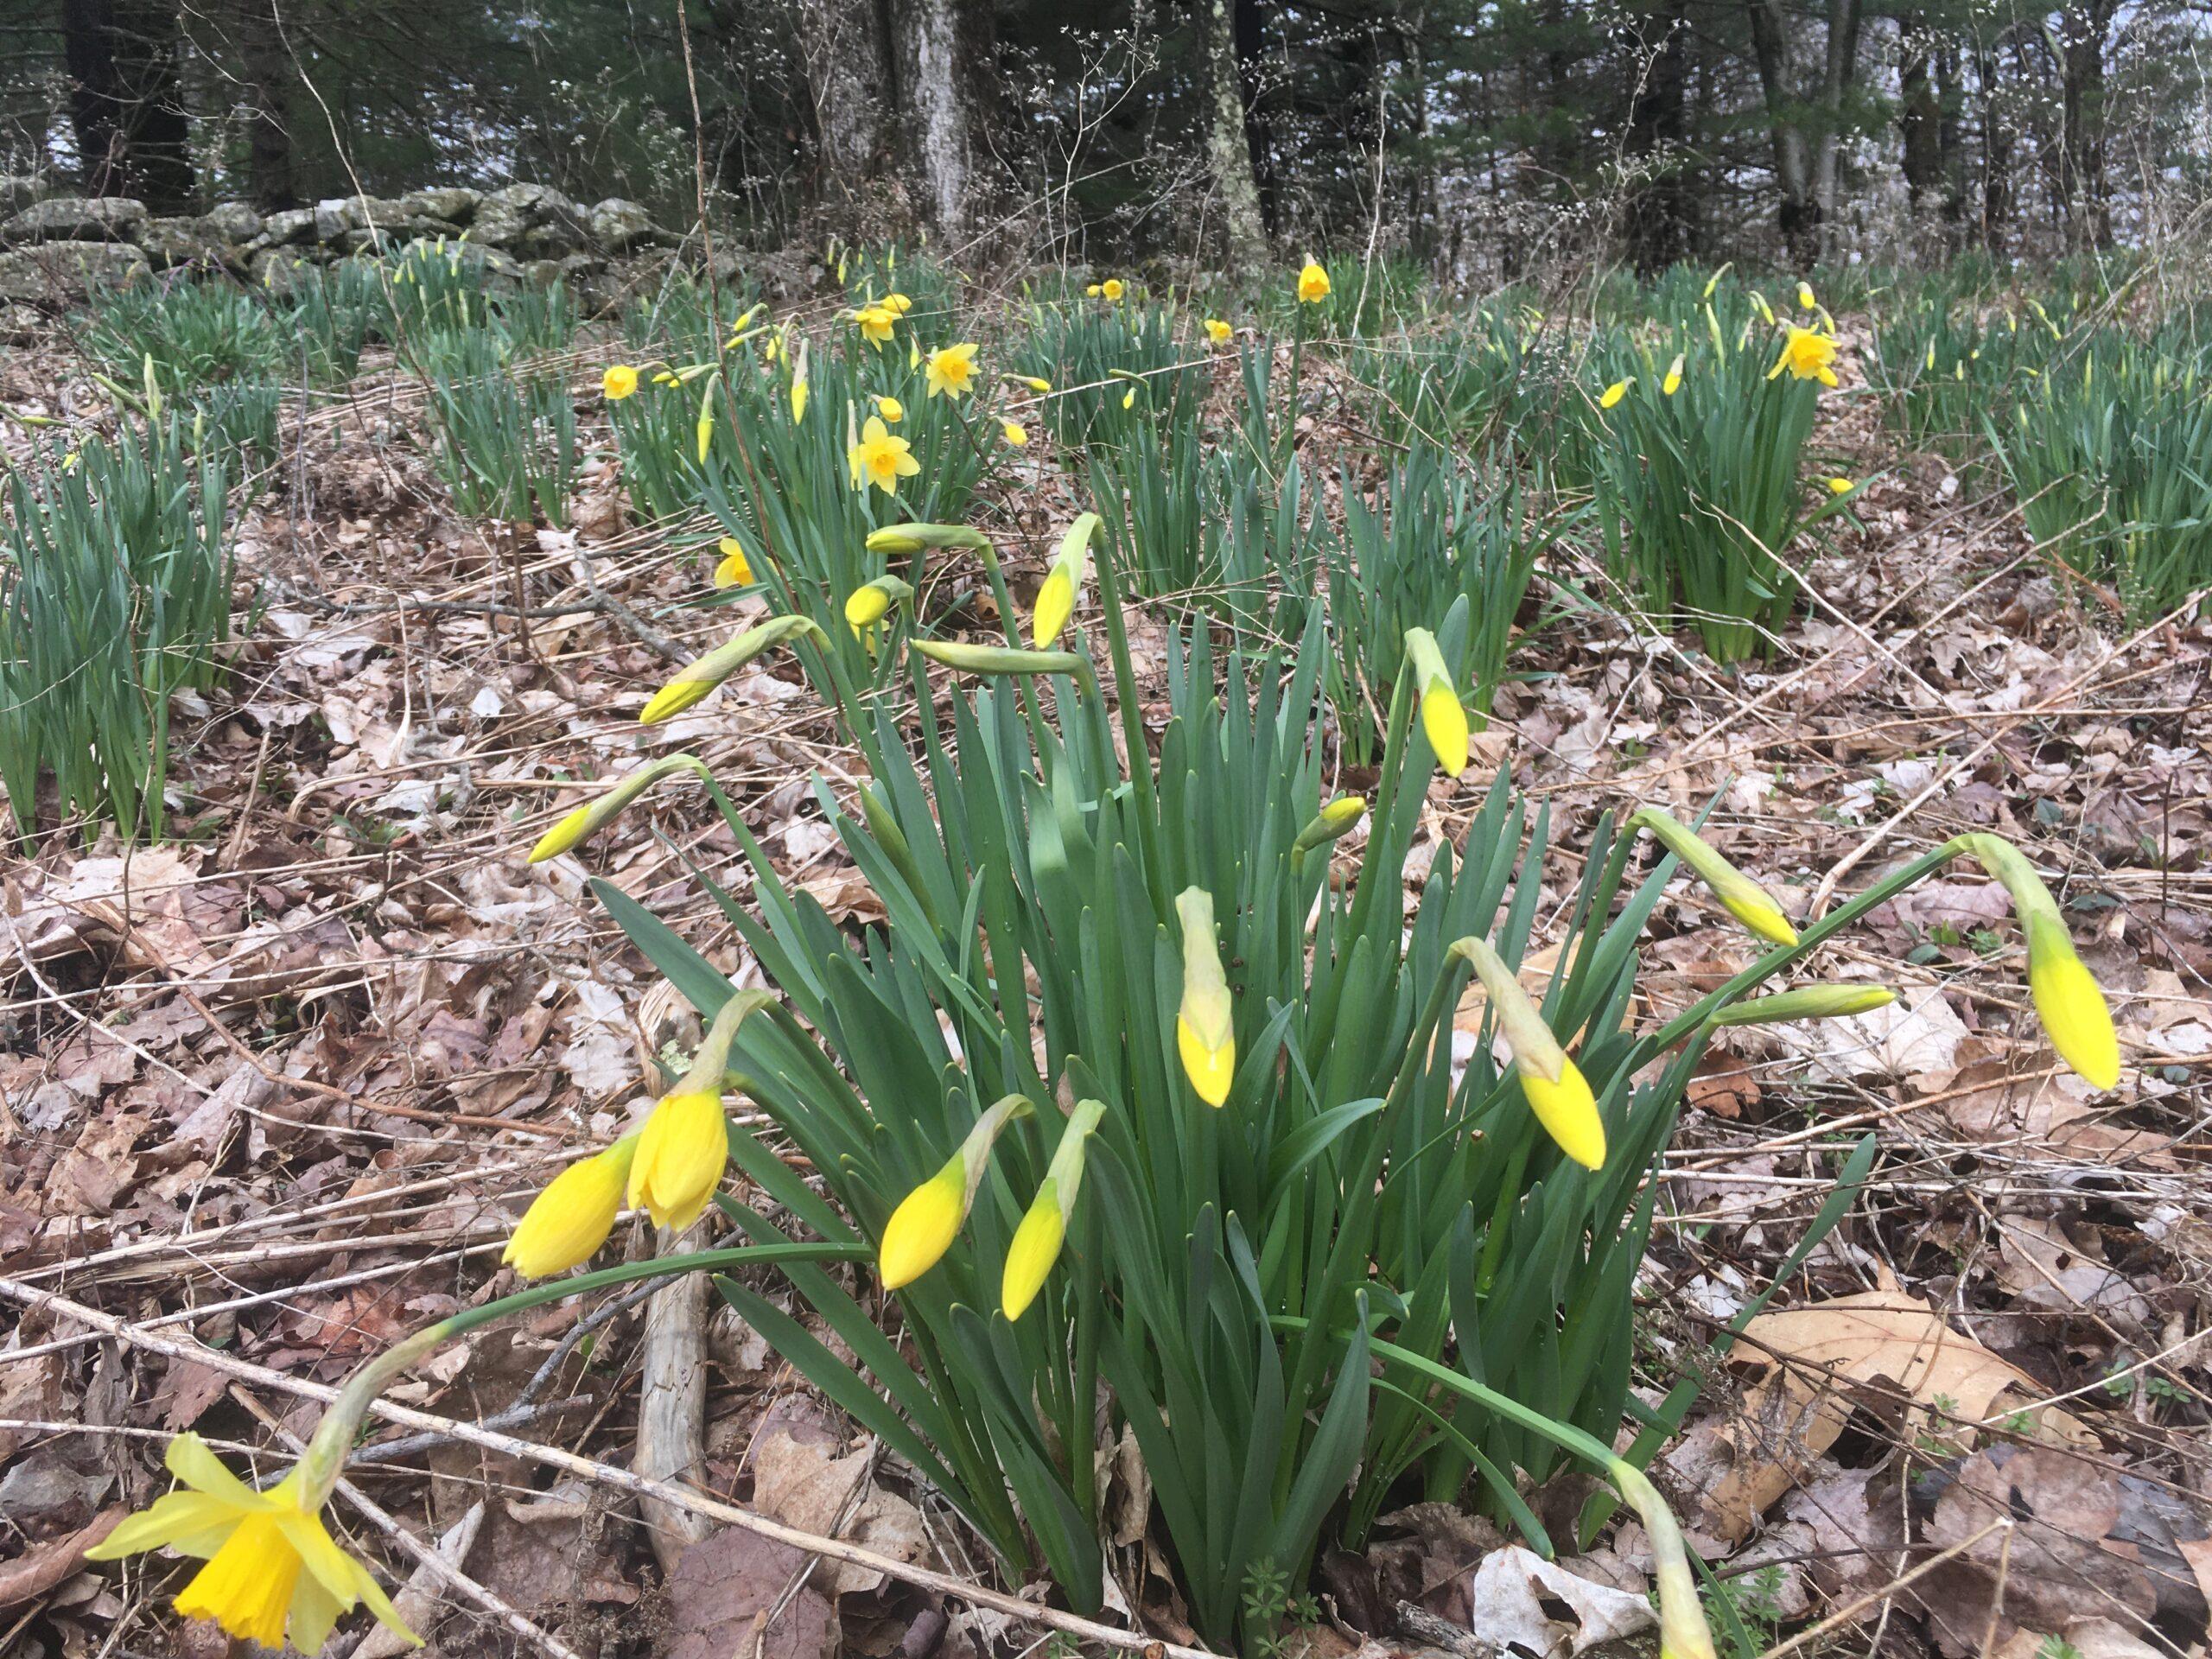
point(845, 46)
point(1798, 214)
point(2082, 161)
point(1229, 148)
point(1841, 74)
point(131, 129)
point(270, 174)
point(1258, 141)
point(1661, 212)
point(1996, 157)
point(945, 60)
point(1919, 117)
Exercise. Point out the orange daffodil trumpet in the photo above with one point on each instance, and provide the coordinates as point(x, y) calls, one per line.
point(1063, 585)
point(1682, 1632)
point(1312, 283)
point(1746, 900)
point(1556, 1091)
point(952, 371)
point(1044, 1226)
point(1205, 1028)
point(693, 682)
point(1808, 354)
point(2067, 996)
point(922, 1229)
point(685, 1141)
point(1443, 721)
point(596, 815)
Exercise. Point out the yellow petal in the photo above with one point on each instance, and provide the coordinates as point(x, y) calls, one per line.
point(1055, 605)
point(189, 1459)
point(2072, 1006)
point(567, 1222)
point(246, 1585)
point(1210, 1070)
point(679, 1158)
point(1035, 1247)
point(1568, 1112)
point(161, 1524)
point(922, 1229)
point(562, 836)
point(1445, 724)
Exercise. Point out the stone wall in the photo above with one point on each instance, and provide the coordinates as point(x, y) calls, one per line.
point(52, 246)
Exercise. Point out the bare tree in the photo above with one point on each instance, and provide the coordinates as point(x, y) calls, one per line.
point(124, 103)
point(1229, 151)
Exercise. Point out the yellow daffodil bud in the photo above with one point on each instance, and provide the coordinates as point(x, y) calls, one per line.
point(1063, 585)
point(906, 539)
point(1443, 721)
point(1313, 284)
point(733, 570)
point(1014, 433)
point(1615, 392)
point(618, 382)
point(1806, 1002)
point(596, 815)
point(2067, 996)
point(996, 659)
point(1713, 281)
point(1840, 486)
point(1746, 900)
point(798, 398)
point(685, 1142)
point(271, 1571)
point(693, 682)
point(1805, 300)
point(869, 603)
point(1673, 382)
point(891, 409)
point(1759, 305)
point(1205, 1031)
point(1092, 291)
point(1037, 1241)
point(1682, 1632)
point(1220, 331)
point(897, 304)
point(922, 1229)
point(1129, 398)
point(567, 1222)
point(1334, 820)
point(1554, 1085)
point(1034, 383)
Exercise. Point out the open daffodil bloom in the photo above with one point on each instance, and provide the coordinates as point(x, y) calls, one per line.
point(273, 1572)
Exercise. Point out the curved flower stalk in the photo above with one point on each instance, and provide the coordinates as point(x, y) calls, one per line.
point(1682, 1632)
point(908, 539)
point(693, 682)
point(1745, 899)
point(1443, 719)
point(1063, 585)
point(1205, 1029)
point(587, 820)
point(685, 1142)
point(1557, 1092)
point(1044, 1226)
point(922, 1229)
point(2067, 996)
point(1806, 1002)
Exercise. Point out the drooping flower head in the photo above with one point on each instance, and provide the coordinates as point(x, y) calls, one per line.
point(1682, 1632)
point(1552, 1084)
point(1036, 1244)
point(683, 1149)
point(1063, 585)
point(870, 602)
point(922, 1229)
point(1205, 1029)
point(595, 815)
point(567, 1222)
point(891, 409)
point(1746, 900)
point(1014, 433)
point(733, 569)
point(2067, 996)
point(695, 680)
point(1312, 283)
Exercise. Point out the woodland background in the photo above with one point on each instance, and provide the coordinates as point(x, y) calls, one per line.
point(1488, 137)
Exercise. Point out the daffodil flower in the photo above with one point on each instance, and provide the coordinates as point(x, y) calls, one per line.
point(922, 1229)
point(272, 1570)
point(891, 409)
point(1015, 434)
point(683, 1149)
point(695, 680)
point(1443, 721)
point(1808, 354)
point(1037, 384)
point(870, 602)
point(2066, 995)
point(567, 1222)
point(1312, 283)
point(952, 371)
point(733, 570)
point(1205, 1031)
point(876, 325)
point(1682, 1632)
point(881, 459)
point(618, 382)
point(588, 819)
point(1063, 585)
point(1552, 1084)
point(799, 387)
point(1840, 486)
point(897, 303)
point(1745, 899)
point(1220, 331)
point(1334, 821)
point(908, 539)
point(1673, 382)
point(1111, 290)
point(1805, 300)
point(1037, 1241)
point(1615, 392)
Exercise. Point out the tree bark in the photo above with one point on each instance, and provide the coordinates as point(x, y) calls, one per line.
point(945, 49)
point(1919, 117)
point(845, 46)
point(1808, 127)
point(1229, 149)
point(270, 172)
point(2083, 30)
point(129, 118)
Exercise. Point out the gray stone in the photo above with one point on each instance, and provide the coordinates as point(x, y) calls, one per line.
point(234, 222)
point(76, 219)
point(276, 269)
point(186, 242)
point(497, 224)
point(60, 272)
point(541, 273)
point(19, 190)
point(619, 225)
point(455, 206)
point(294, 224)
point(555, 238)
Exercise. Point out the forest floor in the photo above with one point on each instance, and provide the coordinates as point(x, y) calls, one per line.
point(281, 1087)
